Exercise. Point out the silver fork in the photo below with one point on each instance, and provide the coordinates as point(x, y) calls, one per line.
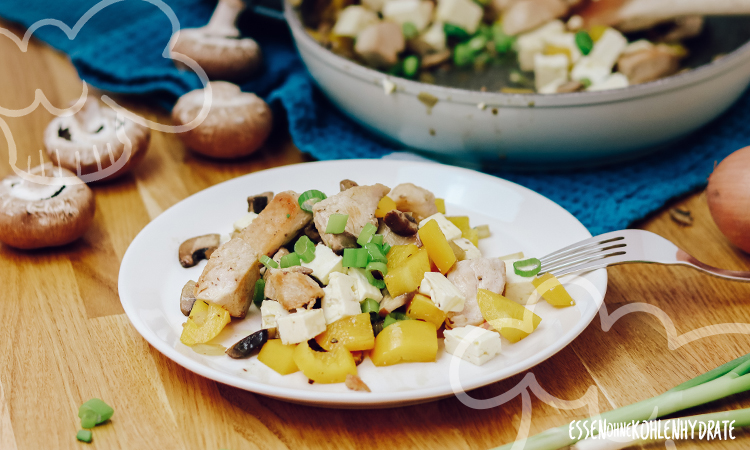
point(626, 246)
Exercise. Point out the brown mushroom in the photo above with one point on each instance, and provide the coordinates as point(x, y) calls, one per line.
point(649, 65)
point(237, 124)
point(37, 215)
point(187, 297)
point(217, 47)
point(346, 184)
point(96, 143)
point(390, 304)
point(401, 223)
point(198, 248)
point(257, 203)
point(570, 86)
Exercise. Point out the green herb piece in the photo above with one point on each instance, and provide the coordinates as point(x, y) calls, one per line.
point(410, 30)
point(377, 239)
point(259, 292)
point(527, 267)
point(584, 42)
point(102, 410)
point(289, 260)
point(503, 42)
point(355, 257)
point(411, 66)
point(336, 223)
point(394, 317)
point(84, 435)
point(586, 83)
point(370, 305)
point(305, 248)
point(376, 254)
point(366, 234)
point(268, 262)
point(455, 32)
point(308, 198)
point(477, 43)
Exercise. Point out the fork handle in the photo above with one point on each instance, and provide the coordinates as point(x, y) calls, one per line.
point(734, 275)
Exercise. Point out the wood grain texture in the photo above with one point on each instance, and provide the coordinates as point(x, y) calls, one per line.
point(65, 338)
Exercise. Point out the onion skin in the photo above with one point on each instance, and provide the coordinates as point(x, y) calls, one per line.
point(728, 196)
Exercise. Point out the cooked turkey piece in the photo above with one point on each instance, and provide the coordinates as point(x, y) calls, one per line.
point(419, 201)
point(469, 276)
point(291, 288)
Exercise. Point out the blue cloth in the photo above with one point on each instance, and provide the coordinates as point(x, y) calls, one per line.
point(120, 49)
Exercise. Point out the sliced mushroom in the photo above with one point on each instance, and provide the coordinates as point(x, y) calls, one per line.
point(257, 203)
point(435, 59)
point(391, 238)
point(300, 269)
point(96, 143)
point(401, 223)
point(570, 86)
point(247, 345)
point(198, 248)
point(390, 304)
point(187, 297)
point(649, 65)
point(311, 231)
point(280, 254)
point(218, 47)
point(355, 383)
point(346, 184)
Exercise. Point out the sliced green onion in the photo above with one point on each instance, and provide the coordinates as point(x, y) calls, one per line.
point(503, 42)
point(378, 267)
point(336, 223)
point(376, 254)
point(374, 268)
point(102, 410)
point(355, 257)
point(386, 248)
point(88, 418)
point(84, 435)
point(410, 30)
point(394, 317)
point(585, 82)
point(366, 234)
point(370, 305)
point(268, 262)
point(308, 198)
point(584, 42)
point(289, 260)
point(305, 248)
point(462, 55)
point(477, 43)
point(455, 32)
point(411, 66)
point(527, 267)
point(259, 292)
point(377, 239)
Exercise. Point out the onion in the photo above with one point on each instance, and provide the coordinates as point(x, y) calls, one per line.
point(729, 198)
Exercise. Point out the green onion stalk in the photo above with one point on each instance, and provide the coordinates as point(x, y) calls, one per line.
point(728, 379)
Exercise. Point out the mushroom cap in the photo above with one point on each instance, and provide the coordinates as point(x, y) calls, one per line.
point(35, 215)
point(222, 57)
point(237, 124)
point(89, 139)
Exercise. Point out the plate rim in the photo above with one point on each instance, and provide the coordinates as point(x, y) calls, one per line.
point(326, 398)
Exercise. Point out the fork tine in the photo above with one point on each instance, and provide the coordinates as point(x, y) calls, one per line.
point(586, 243)
point(583, 260)
point(584, 253)
point(607, 260)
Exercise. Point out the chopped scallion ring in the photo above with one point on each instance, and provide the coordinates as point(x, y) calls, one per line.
point(336, 223)
point(308, 198)
point(394, 317)
point(289, 260)
point(527, 267)
point(375, 272)
point(305, 248)
point(268, 262)
point(376, 253)
point(355, 257)
point(259, 292)
point(370, 305)
point(366, 234)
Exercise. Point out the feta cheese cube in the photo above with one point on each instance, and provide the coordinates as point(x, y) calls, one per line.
point(364, 288)
point(434, 38)
point(352, 20)
point(325, 263)
point(443, 293)
point(551, 88)
point(615, 81)
point(340, 299)
point(244, 221)
point(270, 311)
point(374, 5)
point(482, 345)
point(529, 44)
point(465, 249)
point(301, 326)
point(450, 231)
point(588, 69)
point(565, 41)
point(518, 288)
point(418, 12)
point(608, 48)
point(461, 13)
point(550, 69)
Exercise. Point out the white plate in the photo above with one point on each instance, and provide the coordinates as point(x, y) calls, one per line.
point(151, 279)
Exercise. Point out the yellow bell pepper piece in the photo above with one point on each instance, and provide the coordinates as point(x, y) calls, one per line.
point(353, 332)
point(407, 277)
point(555, 50)
point(462, 223)
point(205, 322)
point(324, 367)
point(437, 246)
point(423, 308)
point(511, 320)
point(384, 205)
point(278, 356)
point(398, 254)
point(597, 31)
point(549, 287)
point(440, 204)
point(405, 341)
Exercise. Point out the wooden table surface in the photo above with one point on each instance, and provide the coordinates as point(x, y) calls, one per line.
point(65, 338)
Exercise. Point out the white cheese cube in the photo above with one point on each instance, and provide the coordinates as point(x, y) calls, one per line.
point(551, 88)
point(566, 41)
point(465, 249)
point(365, 290)
point(450, 231)
point(434, 37)
point(550, 69)
point(374, 5)
point(352, 20)
point(244, 221)
point(518, 288)
point(482, 345)
point(462, 13)
point(587, 69)
point(529, 44)
point(270, 311)
point(340, 299)
point(325, 263)
point(638, 46)
point(418, 12)
point(615, 81)
point(300, 326)
point(608, 48)
point(443, 293)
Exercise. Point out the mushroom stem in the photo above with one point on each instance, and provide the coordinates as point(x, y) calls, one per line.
point(222, 22)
